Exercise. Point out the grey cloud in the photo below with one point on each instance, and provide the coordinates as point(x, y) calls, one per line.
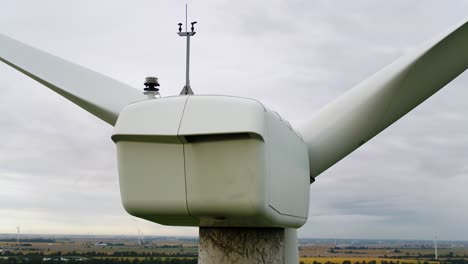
point(57, 162)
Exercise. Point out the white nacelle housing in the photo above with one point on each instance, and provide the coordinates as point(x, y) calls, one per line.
point(211, 161)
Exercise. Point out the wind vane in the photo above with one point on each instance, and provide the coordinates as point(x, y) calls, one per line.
point(187, 89)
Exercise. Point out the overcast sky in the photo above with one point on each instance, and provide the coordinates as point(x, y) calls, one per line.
point(58, 171)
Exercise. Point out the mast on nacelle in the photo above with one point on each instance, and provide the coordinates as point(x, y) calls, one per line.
point(187, 89)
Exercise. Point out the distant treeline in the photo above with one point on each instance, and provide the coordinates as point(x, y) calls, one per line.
point(455, 261)
point(102, 254)
point(447, 261)
point(30, 240)
point(428, 256)
point(351, 247)
point(40, 260)
point(388, 247)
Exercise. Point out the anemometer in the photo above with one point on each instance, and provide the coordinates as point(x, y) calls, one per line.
point(153, 81)
point(187, 89)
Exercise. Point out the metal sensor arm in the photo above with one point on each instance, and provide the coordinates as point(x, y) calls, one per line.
point(100, 95)
point(364, 111)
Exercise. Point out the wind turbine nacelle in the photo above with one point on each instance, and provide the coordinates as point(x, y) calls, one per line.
point(211, 161)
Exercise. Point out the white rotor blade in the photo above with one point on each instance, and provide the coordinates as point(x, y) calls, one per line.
point(364, 111)
point(100, 95)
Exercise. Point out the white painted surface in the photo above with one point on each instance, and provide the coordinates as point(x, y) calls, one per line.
point(152, 181)
point(373, 105)
point(233, 185)
point(152, 117)
point(237, 164)
point(291, 249)
point(98, 94)
point(211, 114)
point(287, 169)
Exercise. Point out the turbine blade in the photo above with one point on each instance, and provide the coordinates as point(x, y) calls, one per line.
point(364, 111)
point(100, 95)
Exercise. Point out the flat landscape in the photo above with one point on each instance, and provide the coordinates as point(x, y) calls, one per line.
point(381, 251)
point(149, 250)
